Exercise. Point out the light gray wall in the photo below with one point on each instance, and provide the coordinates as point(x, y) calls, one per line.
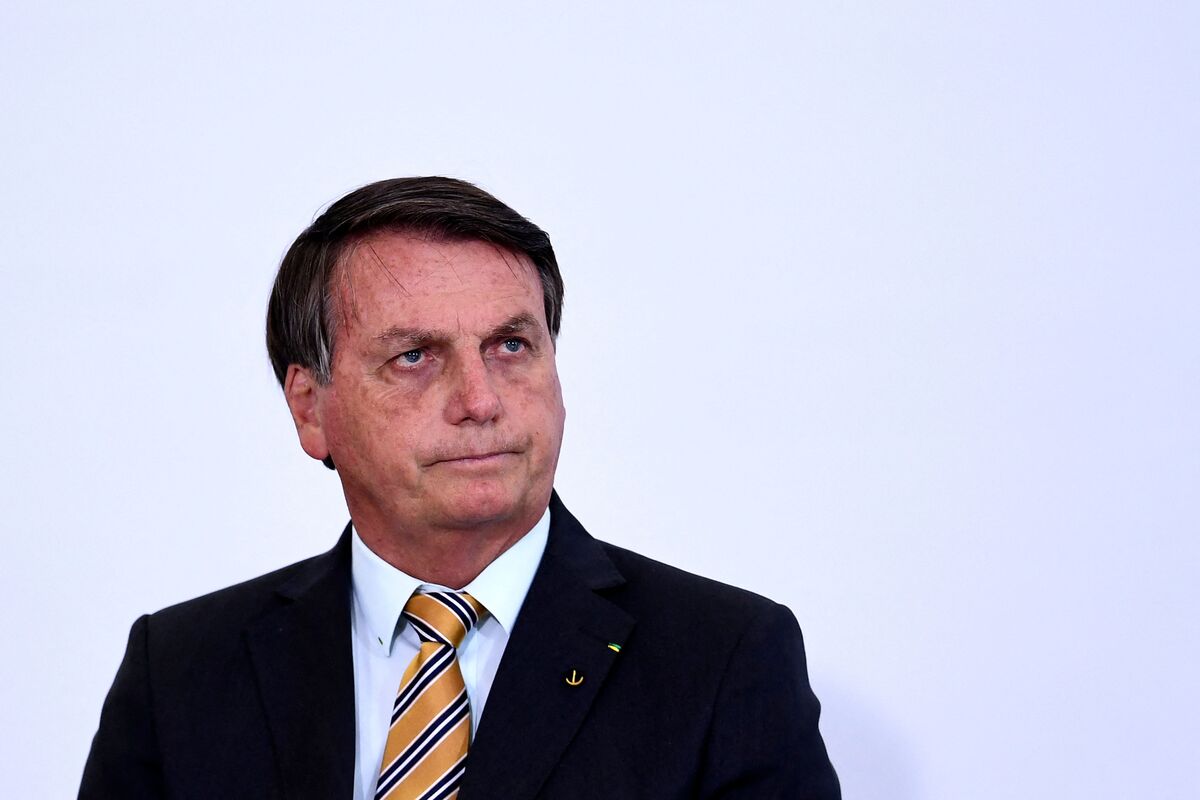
point(887, 311)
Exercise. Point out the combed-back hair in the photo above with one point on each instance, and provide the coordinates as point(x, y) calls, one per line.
point(301, 327)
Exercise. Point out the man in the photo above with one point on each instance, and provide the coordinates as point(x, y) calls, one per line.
point(465, 637)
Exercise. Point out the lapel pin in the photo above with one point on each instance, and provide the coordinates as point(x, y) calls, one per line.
point(616, 648)
point(574, 679)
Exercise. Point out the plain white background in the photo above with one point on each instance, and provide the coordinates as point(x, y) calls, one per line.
point(887, 311)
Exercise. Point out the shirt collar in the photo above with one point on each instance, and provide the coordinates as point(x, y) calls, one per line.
point(381, 590)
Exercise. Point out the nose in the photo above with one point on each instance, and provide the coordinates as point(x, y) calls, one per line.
point(472, 397)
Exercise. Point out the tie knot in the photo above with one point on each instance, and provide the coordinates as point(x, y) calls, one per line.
point(443, 617)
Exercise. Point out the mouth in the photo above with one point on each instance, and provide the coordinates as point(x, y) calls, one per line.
point(475, 459)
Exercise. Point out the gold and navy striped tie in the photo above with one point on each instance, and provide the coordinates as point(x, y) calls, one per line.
point(431, 718)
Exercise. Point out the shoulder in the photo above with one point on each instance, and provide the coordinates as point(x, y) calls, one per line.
point(736, 659)
point(672, 584)
point(220, 616)
point(645, 586)
point(685, 605)
point(237, 600)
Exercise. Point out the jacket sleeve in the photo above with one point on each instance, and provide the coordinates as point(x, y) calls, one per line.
point(764, 742)
point(124, 761)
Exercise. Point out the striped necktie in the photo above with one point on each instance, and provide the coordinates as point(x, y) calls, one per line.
point(431, 719)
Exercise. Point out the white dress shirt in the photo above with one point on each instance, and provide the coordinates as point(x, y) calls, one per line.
point(383, 645)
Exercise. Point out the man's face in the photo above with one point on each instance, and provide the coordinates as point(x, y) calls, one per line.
point(444, 410)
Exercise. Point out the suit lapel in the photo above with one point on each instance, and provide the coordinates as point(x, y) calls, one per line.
point(302, 657)
point(564, 626)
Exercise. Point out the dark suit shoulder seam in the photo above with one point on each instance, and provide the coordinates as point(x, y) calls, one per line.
point(769, 612)
point(751, 622)
point(151, 705)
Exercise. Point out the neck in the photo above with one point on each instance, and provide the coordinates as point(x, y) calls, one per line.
point(450, 557)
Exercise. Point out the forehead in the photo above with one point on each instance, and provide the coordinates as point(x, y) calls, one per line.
point(393, 278)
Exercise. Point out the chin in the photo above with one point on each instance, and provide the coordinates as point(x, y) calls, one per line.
point(480, 504)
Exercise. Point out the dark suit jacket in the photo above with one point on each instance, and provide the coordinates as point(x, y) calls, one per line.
point(249, 692)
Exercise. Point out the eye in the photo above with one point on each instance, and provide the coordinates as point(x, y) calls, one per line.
point(513, 345)
point(412, 357)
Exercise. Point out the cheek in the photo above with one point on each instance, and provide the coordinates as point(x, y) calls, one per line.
point(535, 391)
point(540, 406)
point(375, 431)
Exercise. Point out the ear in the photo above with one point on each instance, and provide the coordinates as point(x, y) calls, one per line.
point(303, 395)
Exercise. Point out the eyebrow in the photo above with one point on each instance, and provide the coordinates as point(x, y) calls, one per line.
point(416, 337)
point(422, 337)
point(518, 323)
